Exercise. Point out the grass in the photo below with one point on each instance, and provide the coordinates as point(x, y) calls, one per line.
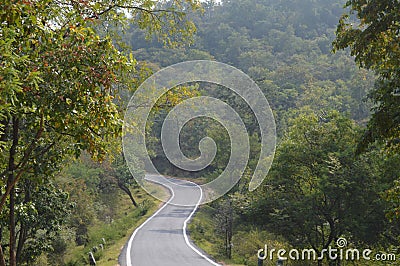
point(246, 242)
point(116, 232)
point(110, 255)
point(201, 230)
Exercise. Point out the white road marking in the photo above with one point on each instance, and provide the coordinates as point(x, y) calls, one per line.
point(185, 233)
point(129, 247)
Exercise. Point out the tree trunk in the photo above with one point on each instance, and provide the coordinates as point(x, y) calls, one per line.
point(226, 237)
point(228, 225)
point(25, 159)
point(10, 184)
point(21, 242)
point(128, 192)
point(23, 232)
point(2, 259)
point(230, 229)
point(13, 259)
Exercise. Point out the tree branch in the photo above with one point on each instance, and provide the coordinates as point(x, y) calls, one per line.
point(22, 164)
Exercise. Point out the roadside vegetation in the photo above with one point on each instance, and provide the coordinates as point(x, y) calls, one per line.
point(336, 169)
point(329, 69)
point(102, 219)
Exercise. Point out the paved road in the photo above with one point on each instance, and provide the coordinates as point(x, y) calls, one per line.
point(162, 239)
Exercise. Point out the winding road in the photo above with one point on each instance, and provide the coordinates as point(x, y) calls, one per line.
point(162, 239)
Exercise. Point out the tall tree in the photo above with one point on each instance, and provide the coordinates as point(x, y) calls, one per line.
point(41, 211)
point(373, 38)
point(123, 177)
point(371, 30)
point(318, 190)
point(60, 71)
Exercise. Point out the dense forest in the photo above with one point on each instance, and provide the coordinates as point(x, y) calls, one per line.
point(65, 186)
point(326, 182)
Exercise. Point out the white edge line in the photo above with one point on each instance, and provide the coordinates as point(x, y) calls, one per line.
point(185, 233)
point(129, 247)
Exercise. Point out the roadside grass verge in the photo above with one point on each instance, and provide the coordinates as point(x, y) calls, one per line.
point(115, 232)
point(247, 241)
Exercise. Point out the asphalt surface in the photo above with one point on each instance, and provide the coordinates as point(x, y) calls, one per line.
point(162, 239)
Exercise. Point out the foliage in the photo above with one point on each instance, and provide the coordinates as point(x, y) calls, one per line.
point(373, 39)
point(319, 189)
point(40, 221)
point(61, 71)
point(99, 210)
point(285, 46)
point(64, 76)
point(393, 197)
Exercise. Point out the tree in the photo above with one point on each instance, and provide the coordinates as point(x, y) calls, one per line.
point(373, 38)
point(41, 211)
point(60, 72)
point(123, 177)
point(318, 190)
point(374, 41)
point(224, 219)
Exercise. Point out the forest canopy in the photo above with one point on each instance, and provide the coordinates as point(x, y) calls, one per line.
point(67, 69)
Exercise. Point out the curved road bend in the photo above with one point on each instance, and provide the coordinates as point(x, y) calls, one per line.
point(162, 240)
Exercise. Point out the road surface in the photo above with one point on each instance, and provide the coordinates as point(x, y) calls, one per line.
point(162, 239)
